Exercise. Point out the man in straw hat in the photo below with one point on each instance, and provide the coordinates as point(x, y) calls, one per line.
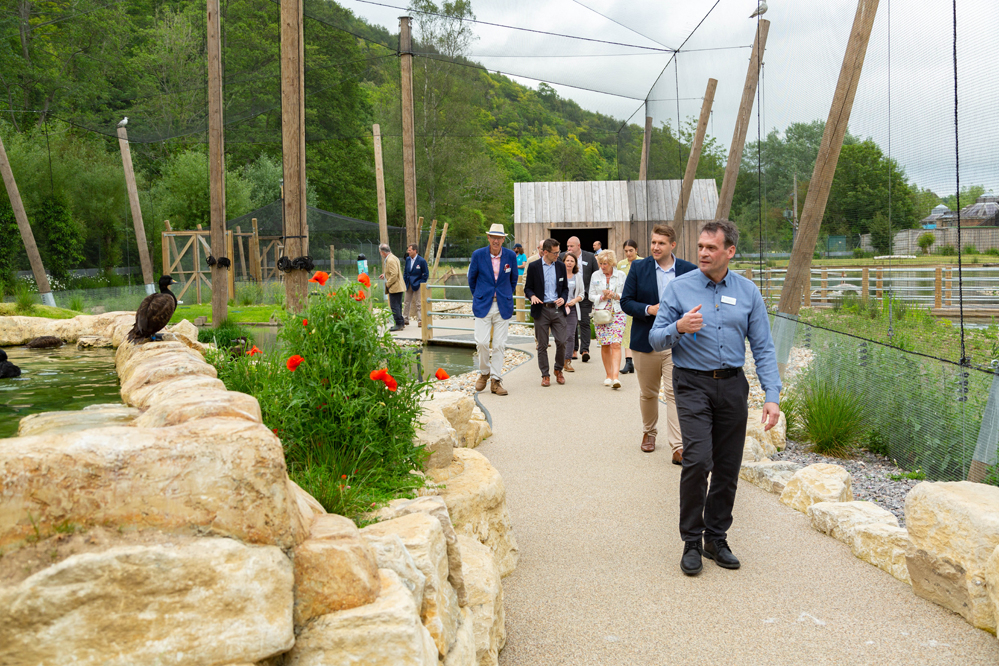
point(492, 277)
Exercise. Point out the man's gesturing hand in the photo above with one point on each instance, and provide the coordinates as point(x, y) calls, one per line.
point(536, 301)
point(691, 322)
point(771, 414)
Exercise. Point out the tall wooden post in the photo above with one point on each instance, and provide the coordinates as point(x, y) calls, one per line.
point(692, 160)
point(742, 123)
point(255, 253)
point(133, 202)
point(825, 165)
point(865, 284)
point(242, 256)
point(440, 248)
point(216, 166)
point(938, 288)
point(293, 148)
point(430, 240)
point(643, 167)
point(380, 185)
point(34, 258)
point(408, 128)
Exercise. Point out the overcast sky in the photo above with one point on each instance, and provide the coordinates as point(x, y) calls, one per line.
point(804, 55)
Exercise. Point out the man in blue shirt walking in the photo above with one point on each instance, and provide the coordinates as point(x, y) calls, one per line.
point(705, 317)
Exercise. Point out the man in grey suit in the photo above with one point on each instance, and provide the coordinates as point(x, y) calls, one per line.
point(587, 264)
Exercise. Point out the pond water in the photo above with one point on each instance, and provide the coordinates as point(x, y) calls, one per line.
point(454, 360)
point(60, 379)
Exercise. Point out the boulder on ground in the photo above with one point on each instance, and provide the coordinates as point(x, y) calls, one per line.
point(179, 601)
point(770, 475)
point(772, 440)
point(954, 529)
point(485, 600)
point(192, 405)
point(19, 330)
point(305, 508)
point(152, 371)
point(335, 569)
point(94, 342)
point(465, 417)
point(476, 499)
point(463, 651)
point(387, 632)
point(221, 476)
point(817, 483)
point(883, 545)
point(753, 451)
point(437, 436)
point(390, 553)
point(992, 580)
point(57, 423)
point(149, 395)
point(423, 537)
point(840, 520)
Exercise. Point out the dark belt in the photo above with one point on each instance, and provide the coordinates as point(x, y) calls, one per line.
point(720, 373)
point(550, 305)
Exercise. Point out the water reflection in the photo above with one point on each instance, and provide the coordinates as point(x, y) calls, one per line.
point(61, 379)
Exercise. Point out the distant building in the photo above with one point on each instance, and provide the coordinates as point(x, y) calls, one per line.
point(932, 221)
point(983, 213)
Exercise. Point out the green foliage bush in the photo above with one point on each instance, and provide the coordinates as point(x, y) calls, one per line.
point(76, 303)
point(249, 293)
point(925, 241)
point(832, 419)
point(970, 249)
point(10, 240)
point(60, 237)
point(947, 251)
point(24, 298)
point(348, 439)
point(226, 335)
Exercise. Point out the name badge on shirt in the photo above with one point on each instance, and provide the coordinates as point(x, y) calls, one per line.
point(728, 300)
point(583, 262)
point(507, 270)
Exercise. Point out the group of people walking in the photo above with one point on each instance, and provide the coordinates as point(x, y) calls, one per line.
point(685, 327)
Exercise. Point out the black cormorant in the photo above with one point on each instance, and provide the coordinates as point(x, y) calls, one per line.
point(7, 369)
point(155, 311)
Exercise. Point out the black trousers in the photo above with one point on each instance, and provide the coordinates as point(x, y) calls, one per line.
point(395, 302)
point(581, 342)
point(713, 415)
point(550, 321)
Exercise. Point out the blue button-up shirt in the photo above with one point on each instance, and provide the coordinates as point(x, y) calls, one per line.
point(551, 288)
point(733, 310)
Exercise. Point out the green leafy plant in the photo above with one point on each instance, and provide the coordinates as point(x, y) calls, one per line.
point(790, 404)
point(917, 475)
point(24, 298)
point(226, 335)
point(249, 293)
point(76, 303)
point(832, 418)
point(947, 251)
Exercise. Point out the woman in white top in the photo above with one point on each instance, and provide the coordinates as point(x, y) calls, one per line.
point(576, 294)
point(606, 286)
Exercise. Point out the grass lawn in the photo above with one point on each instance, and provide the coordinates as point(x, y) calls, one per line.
point(8, 310)
point(237, 313)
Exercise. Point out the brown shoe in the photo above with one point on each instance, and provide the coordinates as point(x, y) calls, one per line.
point(678, 457)
point(546, 381)
point(498, 388)
point(559, 377)
point(480, 383)
point(648, 443)
point(568, 367)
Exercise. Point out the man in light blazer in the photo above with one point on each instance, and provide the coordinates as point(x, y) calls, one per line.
point(395, 286)
point(492, 277)
point(546, 285)
point(647, 280)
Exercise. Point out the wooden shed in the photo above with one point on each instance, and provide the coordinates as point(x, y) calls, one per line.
point(609, 211)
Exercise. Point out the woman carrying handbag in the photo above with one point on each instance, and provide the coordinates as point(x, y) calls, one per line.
point(606, 286)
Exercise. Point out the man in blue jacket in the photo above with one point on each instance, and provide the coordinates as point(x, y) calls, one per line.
point(492, 277)
point(417, 272)
point(643, 291)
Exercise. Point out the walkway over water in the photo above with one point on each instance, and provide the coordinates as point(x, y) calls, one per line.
point(599, 580)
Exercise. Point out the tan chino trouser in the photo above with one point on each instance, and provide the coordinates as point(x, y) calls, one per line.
point(654, 370)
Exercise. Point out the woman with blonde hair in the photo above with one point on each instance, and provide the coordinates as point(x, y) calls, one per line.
point(630, 256)
point(606, 286)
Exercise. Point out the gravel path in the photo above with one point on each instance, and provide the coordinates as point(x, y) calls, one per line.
point(466, 382)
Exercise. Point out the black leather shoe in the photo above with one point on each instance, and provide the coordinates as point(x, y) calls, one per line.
point(719, 551)
point(690, 563)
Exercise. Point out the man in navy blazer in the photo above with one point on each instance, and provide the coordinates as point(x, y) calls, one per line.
point(546, 285)
point(492, 277)
point(417, 272)
point(642, 294)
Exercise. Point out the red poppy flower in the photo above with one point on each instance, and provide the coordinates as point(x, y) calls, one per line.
point(343, 476)
point(440, 374)
point(254, 351)
point(275, 430)
point(390, 383)
point(360, 296)
point(294, 362)
point(305, 322)
point(379, 375)
point(321, 277)
point(364, 279)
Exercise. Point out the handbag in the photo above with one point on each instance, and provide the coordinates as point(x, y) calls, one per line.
point(602, 317)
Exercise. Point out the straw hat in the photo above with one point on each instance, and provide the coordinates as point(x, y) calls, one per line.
point(497, 230)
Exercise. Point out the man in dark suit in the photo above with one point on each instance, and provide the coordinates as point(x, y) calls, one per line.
point(546, 285)
point(643, 291)
point(417, 272)
point(587, 264)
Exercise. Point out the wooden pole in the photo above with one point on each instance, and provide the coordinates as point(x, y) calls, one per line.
point(430, 240)
point(332, 260)
point(216, 165)
point(440, 248)
point(419, 233)
point(825, 165)
point(380, 185)
point(242, 257)
point(133, 201)
point(865, 284)
point(197, 269)
point(230, 273)
point(34, 258)
point(293, 148)
point(408, 128)
point(938, 288)
point(255, 253)
point(427, 316)
point(165, 247)
point(643, 168)
point(692, 160)
point(742, 123)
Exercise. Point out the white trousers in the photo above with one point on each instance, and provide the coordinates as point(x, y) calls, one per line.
point(491, 365)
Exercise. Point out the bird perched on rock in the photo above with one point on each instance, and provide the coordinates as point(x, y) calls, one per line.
point(155, 311)
point(760, 11)
point(123, 122)
point(44, 342)
point(8, 369)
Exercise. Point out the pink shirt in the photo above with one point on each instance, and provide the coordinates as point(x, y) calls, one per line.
point(496, 265)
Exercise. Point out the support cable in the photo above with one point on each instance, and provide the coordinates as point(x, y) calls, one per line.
point(957, 174)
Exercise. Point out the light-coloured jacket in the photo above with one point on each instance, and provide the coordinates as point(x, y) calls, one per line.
point(394, 283)
point(578, 291)
point(599, 282)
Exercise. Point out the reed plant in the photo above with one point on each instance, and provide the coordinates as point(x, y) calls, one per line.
point(24, 298)
point(832, 418)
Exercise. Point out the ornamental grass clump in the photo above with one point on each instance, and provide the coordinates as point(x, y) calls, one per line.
point(832, 417)
point(344, 399)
